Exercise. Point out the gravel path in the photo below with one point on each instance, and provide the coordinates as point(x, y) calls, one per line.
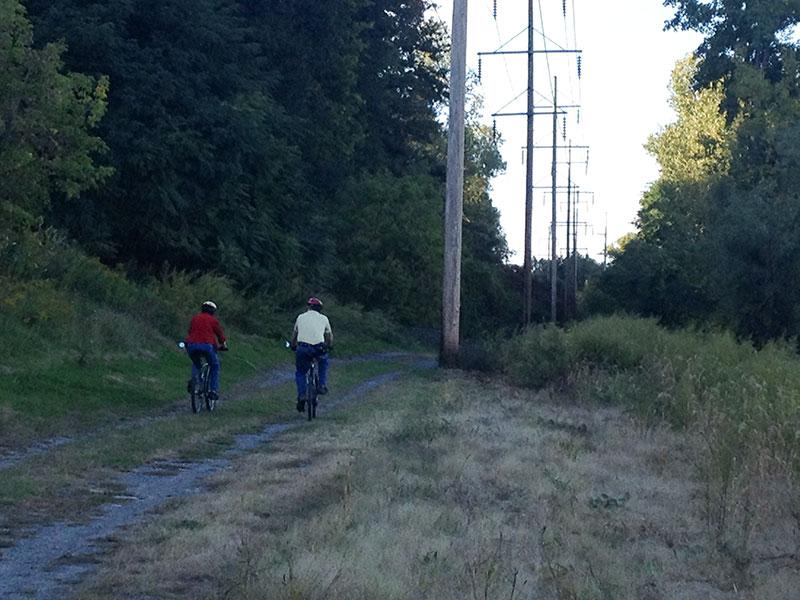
point(53, 559)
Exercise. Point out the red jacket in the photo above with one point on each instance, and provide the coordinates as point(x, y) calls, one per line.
point(205, 329)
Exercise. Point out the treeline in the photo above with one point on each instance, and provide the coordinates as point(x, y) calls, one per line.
point(718, 238)
point(287, 146)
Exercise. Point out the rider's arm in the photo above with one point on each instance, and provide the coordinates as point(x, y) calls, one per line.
point(293, 343)
point(328, 335)
point(219, 333)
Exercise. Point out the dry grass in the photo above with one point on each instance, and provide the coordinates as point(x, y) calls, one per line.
point(455, 488)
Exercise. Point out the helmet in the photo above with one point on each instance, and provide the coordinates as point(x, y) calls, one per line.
point(209, 306)
point(314, 302)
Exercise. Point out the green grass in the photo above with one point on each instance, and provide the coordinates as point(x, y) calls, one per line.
point(68, 395)
point(92, 461)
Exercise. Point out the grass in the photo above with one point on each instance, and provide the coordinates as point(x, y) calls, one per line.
point(68, 395)
point(60, 482)
point(446, 487)
point(86, 345)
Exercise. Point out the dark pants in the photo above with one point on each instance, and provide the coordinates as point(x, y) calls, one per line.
point(195, 351)
point(303, 356)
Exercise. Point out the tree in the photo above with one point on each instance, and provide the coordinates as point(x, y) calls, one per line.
point(402, 82)
point(205, 177)
point(756, 32)
point(47, 150)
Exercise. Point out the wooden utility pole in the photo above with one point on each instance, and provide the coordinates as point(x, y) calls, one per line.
point(553, 248)
point(454, 200)
point(527, 262)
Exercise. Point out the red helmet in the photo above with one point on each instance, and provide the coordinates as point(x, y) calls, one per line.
point(314, 302)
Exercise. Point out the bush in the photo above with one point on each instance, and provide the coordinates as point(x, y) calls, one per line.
point(615, 341)
point(484, 356)
point(183, 293)
point(36, 302)
point(537, 357)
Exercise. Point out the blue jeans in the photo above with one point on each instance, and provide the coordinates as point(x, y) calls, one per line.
point(194, 351)
point(302, 361)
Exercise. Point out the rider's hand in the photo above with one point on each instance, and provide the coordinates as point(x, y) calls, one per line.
point(224, 346)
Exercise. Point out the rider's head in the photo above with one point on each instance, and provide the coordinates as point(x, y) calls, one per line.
point(314, 304)
point(208, 307)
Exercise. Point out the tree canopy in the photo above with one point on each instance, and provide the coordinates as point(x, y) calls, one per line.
point(718, 240)
point(289, 146)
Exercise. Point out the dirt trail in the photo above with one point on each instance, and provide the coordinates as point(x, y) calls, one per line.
point(271, 379)
point(52, 559)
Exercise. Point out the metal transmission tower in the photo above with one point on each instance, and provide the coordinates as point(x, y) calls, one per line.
point(454, 205)
point(530, 113)
point(554, 219)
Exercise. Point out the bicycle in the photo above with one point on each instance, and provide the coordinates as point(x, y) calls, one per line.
point(200, 393)
point(312, 387)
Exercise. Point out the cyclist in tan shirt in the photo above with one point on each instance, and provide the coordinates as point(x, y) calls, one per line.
point(311, 337)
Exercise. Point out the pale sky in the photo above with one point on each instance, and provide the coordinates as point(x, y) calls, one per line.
point(623, 93)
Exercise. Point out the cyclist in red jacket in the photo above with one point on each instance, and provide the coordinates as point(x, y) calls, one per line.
point(206, 337)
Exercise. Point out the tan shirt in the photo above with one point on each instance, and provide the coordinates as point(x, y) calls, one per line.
point(311, 327)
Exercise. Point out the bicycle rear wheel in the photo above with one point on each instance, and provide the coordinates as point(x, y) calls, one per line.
point(210, 398)
point(198, 388)
point(310, 394)
point(197, 402)
point(315, 387)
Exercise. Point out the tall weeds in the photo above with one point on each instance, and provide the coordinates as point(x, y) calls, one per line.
point(742, 403)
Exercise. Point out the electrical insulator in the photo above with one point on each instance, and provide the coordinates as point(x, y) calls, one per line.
point(579, 116)
point(494, 129)
point(564, 128)
point(480, 68)
point(494, 9)
point(580, 66)
point(564, 5)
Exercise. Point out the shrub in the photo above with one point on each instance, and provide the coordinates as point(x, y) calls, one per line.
point(615, 341)
point(183, 293)
point(537, 357)
point(35, 302)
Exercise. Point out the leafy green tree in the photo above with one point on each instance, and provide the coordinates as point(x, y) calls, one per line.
point(47, 151)
point(205, 177)
point(666, 269)
point(389, 246)
point(402, 81)
point(718, 239)
point(756, 32)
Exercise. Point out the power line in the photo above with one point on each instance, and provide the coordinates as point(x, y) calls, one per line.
point(547, 56)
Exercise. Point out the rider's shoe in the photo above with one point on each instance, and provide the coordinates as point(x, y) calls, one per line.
point(190, 386)
point(323, 389)
point(213, 395)
point(301, 405)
